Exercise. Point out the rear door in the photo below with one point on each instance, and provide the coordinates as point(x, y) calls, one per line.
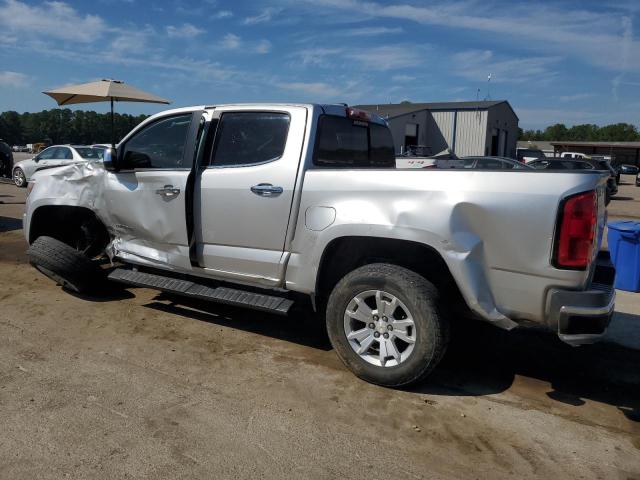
point(147, 197)
point(244, 193)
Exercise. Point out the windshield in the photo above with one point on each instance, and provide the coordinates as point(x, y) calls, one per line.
point(90, 153)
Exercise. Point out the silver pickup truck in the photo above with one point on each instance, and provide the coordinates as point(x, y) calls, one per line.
point(264, 206)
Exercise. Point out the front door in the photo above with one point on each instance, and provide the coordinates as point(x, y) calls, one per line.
point(244, 193)
point(146, 198)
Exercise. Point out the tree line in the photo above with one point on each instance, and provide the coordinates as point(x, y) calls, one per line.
point(62, 125)
point(618, 132)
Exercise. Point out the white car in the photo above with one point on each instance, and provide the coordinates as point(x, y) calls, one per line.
point(54, 156)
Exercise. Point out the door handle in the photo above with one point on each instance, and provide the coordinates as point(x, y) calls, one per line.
point(266, 190)
point(168, 191)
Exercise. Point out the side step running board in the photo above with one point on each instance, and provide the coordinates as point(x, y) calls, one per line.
point(228, 296)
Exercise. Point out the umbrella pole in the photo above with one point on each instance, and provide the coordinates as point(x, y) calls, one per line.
point(113, 140)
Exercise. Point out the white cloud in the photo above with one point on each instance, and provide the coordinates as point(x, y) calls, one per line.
point(186, 30)
point(51, 19)
point(132, 41)
point(222, 14)
point(315, 89)
point(476, 65)
point(387, 57)
point(13, 79)
point(596, 37)
point(265, 16)
point(403, 78)
point(369, 31)
point(264, 46)
point(231, 41)
point(575, 97)
point(317, 56)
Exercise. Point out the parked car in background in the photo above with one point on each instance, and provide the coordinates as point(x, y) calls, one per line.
point(100, 148)
point(493, 163)
point(628, 169)
point(603, 162)
point(54, 156)
point(6, 159)
point(638, 180)
point(528, 154)
point(560, 163)
point(578, 155)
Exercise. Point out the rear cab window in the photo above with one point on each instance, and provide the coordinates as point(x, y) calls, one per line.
point(344, 142)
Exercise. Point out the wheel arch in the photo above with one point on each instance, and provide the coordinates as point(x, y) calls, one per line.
point(62, 222)
point(344, 254)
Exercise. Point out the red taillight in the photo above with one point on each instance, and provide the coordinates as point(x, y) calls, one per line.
point(577, 231)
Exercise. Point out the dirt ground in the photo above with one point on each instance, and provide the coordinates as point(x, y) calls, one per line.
point(142, 385)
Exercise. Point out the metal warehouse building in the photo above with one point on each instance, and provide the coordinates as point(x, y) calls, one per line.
point(467, 128)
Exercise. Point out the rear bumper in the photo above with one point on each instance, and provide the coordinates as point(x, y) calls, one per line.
point(582, 317)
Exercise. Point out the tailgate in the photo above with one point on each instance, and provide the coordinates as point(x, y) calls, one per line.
point(601, 190)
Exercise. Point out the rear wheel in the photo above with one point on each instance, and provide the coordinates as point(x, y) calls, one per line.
point(65, 265)
point(385, 324)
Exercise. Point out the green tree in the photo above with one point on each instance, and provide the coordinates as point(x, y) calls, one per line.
point(585, 132)
point(619, 132)
point(555, 132)
point(12, 128)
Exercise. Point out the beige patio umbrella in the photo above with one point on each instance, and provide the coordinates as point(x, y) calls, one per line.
point(102, 91)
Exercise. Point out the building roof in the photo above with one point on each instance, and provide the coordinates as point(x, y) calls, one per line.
point(539, 144)
point(391, 110)
point(569, 143)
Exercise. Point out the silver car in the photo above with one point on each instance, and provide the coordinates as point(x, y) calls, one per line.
point(54, 156)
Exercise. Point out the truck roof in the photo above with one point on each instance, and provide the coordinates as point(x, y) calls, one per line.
point(332, 109)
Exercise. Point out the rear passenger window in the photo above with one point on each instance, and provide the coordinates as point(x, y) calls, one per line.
point(250, 138)
point(347, 143)
point(63, 153)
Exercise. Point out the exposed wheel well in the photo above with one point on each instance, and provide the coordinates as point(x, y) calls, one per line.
point(70, 225)
point(345, 254)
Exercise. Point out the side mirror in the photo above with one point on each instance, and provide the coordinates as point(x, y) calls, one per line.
point(110, 159)
point(36, 158)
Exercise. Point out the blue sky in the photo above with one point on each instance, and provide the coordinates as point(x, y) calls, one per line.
point(555, 61)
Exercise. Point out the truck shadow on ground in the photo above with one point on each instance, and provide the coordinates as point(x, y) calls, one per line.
point(300, 326)
point(484, 360)
point(481, 360)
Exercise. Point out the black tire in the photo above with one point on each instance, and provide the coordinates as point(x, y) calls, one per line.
point(19, 178)
point(65, 265)
point(419, 296)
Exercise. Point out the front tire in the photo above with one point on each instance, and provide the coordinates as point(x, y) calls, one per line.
point(19, 178)
point(65, 265)
point(385, 324)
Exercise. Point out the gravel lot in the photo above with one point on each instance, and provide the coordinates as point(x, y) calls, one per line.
point(142, 385)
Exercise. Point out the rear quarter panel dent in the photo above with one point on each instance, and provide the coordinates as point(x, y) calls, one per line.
point(494, 231)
